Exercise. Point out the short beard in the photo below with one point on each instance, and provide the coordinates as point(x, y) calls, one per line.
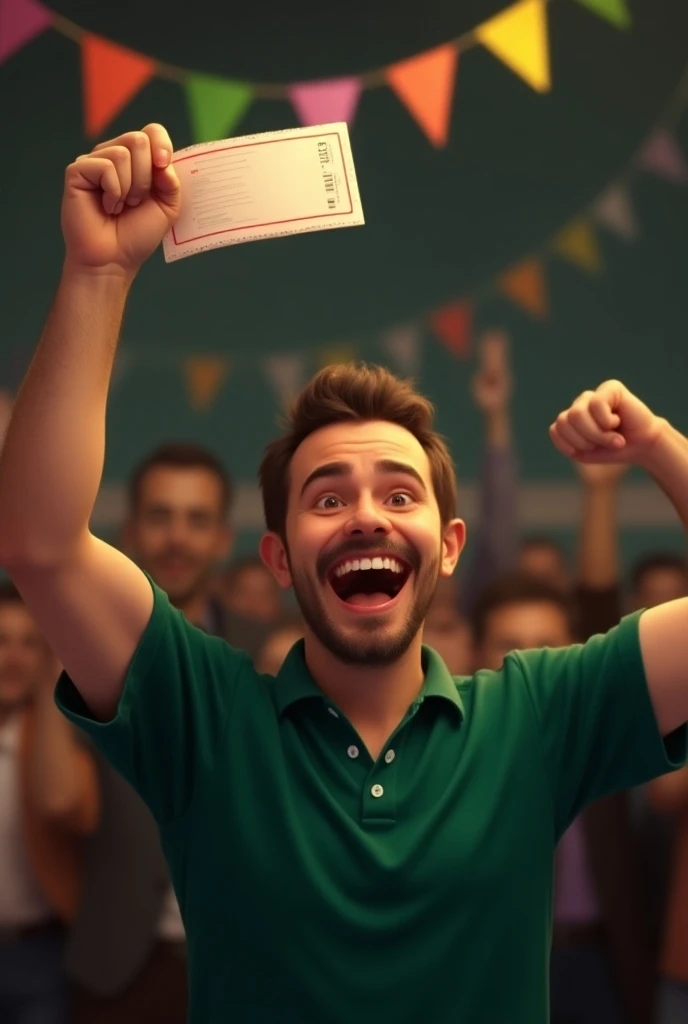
point(373, 645)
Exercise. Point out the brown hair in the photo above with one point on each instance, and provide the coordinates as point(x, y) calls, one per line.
point(354, 392)
point(181, 455)
point(518, 588)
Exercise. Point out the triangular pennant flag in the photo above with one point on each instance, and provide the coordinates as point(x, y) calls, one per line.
point(286, 373)
point(113, 75)
point(403, 345)
point(20, 22)
point(524, 284)
point(578, 244)
point(518, 37)
point(333, 99)
point(614, 11)
point(661, 155)
point(331, 355)
point(613, 210)
point(453, 325)
point(216, 105)
point(204, 377)
point(425, 85)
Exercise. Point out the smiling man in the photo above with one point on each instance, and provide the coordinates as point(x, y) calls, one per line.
point(363, 837)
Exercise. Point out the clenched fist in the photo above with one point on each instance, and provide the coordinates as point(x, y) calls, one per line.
point(119, 201)
point(606, 425)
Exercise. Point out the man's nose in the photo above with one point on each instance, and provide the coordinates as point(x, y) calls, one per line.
point(368, 518)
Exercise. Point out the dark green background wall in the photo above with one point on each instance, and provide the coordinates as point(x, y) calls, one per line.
point(441, 224)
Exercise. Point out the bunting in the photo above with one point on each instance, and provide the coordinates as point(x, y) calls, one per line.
point(204, 377)
point(662, 156)
point(614, 211)
point(453, 325)
point(524, 284)
point(403, 345)
point(113, 75)
point(425, 85)
point(287, 375)
point(615, 11)
point(577, 244)
point(326, 102)
point(21, 21)
point(518, 37)
point(216, 105)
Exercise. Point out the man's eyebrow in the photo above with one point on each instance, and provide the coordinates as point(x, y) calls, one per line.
point(327, 470)
point(392, 466)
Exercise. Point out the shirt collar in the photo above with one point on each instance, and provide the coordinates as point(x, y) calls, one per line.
point(294, 682)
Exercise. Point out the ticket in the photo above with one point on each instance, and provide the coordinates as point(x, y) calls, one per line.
point(263, 186)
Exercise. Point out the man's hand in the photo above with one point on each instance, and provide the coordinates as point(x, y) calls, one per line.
point(492, 384)
point(119, 202)
point(609, 425)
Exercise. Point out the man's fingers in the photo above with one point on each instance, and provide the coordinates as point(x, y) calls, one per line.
point(602, 413)
point(559, 443)
point(580, 417)
point(166, 182)
point(160, 144)
point(92, 173)
point(571, 436)
point(141, 168)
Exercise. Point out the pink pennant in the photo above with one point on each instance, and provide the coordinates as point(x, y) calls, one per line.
point(661, 155)
point(20, 22)
point(334, 99)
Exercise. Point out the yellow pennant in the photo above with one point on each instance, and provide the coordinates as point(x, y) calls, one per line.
point(577, 244)
point(204, 377)
point(518, 37)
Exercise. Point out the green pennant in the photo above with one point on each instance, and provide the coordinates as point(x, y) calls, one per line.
point(615, 11)
point(216, 105)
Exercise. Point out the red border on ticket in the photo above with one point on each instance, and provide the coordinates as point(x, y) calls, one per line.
point(270, 223)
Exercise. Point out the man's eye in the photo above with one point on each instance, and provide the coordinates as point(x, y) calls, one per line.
point(328, 502)
point(401, 498)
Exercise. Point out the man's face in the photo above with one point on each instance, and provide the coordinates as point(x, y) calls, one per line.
point(178, 533)
point(365, 541)
point(546, 563)
point(251, 591)
point(521, 626)
point(657, 586)
point(23, 656)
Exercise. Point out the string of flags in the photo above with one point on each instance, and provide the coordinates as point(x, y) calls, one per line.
point(425, 83)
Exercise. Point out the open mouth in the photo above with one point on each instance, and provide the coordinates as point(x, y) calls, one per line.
point(369, 582)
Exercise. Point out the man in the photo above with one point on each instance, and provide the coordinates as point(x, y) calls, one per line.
point(248, 590)
point(48, 805)
point(657, 578)
point(127, 946)
point(364, 837)
point(543, 558)
point(602, 968)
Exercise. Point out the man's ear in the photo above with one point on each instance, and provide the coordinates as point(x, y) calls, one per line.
point(453, 540)
point(273, 552)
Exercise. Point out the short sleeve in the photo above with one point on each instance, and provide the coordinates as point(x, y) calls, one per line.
point(598, 726)
point(173, 711)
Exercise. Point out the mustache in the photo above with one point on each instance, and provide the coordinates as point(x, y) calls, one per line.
point(382, 548)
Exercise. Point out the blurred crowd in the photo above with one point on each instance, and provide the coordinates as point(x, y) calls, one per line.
point(90, 930)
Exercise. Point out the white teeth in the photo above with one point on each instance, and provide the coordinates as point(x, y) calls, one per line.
point(369, 563)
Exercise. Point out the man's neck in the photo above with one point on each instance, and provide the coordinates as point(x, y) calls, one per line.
point(373, 699)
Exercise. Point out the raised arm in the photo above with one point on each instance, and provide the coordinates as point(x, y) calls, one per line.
point(612, 425)
point(90, 601)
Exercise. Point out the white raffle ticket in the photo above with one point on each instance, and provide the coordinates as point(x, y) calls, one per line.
point(262, 186)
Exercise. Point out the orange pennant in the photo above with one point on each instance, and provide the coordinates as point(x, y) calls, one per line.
point(524, 284)
point(204, 377)
point(425, 84)
point(453, 325)
point(113, 75)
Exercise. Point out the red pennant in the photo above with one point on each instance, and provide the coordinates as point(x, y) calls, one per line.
point(113, 75)
point(453, 325)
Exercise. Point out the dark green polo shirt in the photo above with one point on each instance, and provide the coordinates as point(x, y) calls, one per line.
point(319, 886)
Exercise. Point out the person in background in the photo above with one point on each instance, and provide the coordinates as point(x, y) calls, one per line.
point(447, 626)
point(127, 950)
point(544, 559)
point(277, 647)
point(658, 577)
point(48, 805)
point(247, 589)
point(601, 965)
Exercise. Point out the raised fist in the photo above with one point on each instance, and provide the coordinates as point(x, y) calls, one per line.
point(607, 425)
point(119, 201)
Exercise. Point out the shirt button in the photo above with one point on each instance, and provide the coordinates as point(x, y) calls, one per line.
point(352, 751)
point(333, 712)
point(389, 756)
point(377, 790)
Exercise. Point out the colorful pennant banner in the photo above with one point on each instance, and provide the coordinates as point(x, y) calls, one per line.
point(424, 83)
point(577, 243)
point(205, 376)
point(453, 325)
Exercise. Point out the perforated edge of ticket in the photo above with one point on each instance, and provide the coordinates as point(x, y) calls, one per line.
point(310, 187)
